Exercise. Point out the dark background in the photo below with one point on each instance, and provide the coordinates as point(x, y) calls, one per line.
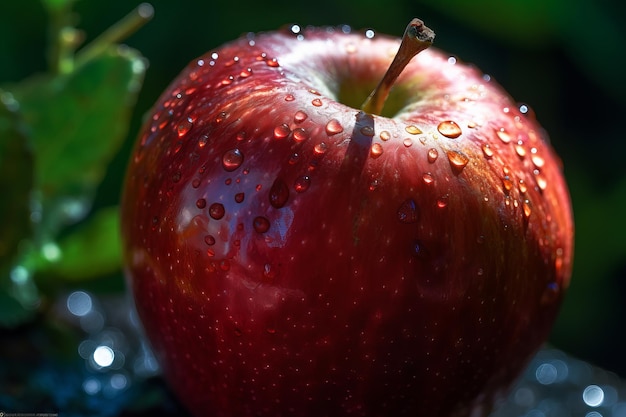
point(564, 58)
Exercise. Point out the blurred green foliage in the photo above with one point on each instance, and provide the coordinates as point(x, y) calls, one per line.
point(68, 120)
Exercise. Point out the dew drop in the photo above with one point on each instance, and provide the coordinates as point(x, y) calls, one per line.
point(300, 116)
point(407, 143)
point(385, 135)
point(316, 102)
point(176, 176)
point(449, 129)
point(241, 136)
point(202, 141)
point(320, 149)
point(432, 155)
point(293, 159)
point(261, 224)
point(289, 97)
point(281, 131)
point(245, 73)
point(184, 127)
point(367, 131)
point(442, 202)
point(225, 265)
point(487, 151)
point(407, 212)
point(507, 184)
point(376, 150)
point(269, 272)
point(519, 149)
point(527, 208)
point(239, 197)
point(232, 160)
point(209, 240)
point(413, 130)
point(273, 62)
point(217, 211)
point(300, 134)
point(541, 182)
point(201, 203)
point(221, 116)
point(210, 253)
point(428, 178)
point(195, 183)
point(374, 184)
point(333, 127)
point(279, 193)
point(503, 135)
point(302, 184)
point(458, 160)
point(522, 187)
point(538, 161)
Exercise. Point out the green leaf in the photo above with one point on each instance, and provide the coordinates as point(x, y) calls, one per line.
point(91, 251)
point(16, 182)
point(78, 121)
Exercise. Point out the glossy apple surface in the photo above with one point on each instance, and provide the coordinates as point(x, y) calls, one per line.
point(291, 255)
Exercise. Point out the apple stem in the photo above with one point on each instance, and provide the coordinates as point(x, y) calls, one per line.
point(416, 38)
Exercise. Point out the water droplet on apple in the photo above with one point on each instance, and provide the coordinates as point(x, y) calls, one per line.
point(217, 211)
point(239, 197)
point(413, 130)
point(527, 208)
point(449, 129)
point(407, 212)
point(279, 193)
point(487, 151)
point(316, 102)
point(374, 184)
point(225, 265)
point(320, 149)
point(293, 159)
point(202, 141)
point(195, 183)
point(457, 159)
point(300, 116)
point(520, 151)
point(227, 81)
point(245, 73)
point(385, 135)
point(302, 184)
point(184, 127)
point(507, 184)
point(201, 203)
point(261, 224)
point(289, 97)
point(221, 116)
point(232, 159)
point(272, 62)
point(376, 150)
point(210, 253)
point(300, 134)
point(442, 202)
point(428, 178)
point(333, 127)
point(538, 161)
point(269, 272)
point(176, 176)
point(432, 155)
point(281, 131)
point(407, 143)
point(522, 187)
point(503, 135)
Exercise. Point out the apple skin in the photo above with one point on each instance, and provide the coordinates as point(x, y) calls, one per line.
point(290, 255)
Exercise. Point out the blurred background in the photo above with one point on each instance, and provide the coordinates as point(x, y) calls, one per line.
point(60, 321)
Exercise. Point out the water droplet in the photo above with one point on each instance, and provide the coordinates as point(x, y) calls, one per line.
point(217, 211)
point(407, 143)
point(376, 150)
point(210, 253)
point(527, 208)
point(367, 131)
point(503, 135)
point(281, 131)
point(385, 135)
point(221, 116)
point(228, 181)
point(320, 149)
point(449, 129)
point(273, 62)
point(374, 184)
point(294, 158)
point(269, 272)
point(258, 187)
point(300, 134)
point(333, 127)
point(209, 240)
point(428, 178)
point(184, 127)
point(201, 203)
point(261, 224)
point(232, 159)
point(507, 184)
point(239, 197)
point(289, 97)
point(407, 212)
point(195, 183)
point(279, 193)
point(541, 182)
point(519, 149)
point(300, 116)
point(432, 155)
point(241, 136)
point(487, 150)
point(522, 187)
point(316, 102)
point(302, 184)
point(225, 265)
point(245, 73)
point(457, 159)
point(228, 80)
point(176, 176)
point(413, 130)
point(538, 161)
point(202, 141)
point(442, 202)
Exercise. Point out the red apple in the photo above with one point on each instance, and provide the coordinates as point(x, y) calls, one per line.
point(293, 255)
